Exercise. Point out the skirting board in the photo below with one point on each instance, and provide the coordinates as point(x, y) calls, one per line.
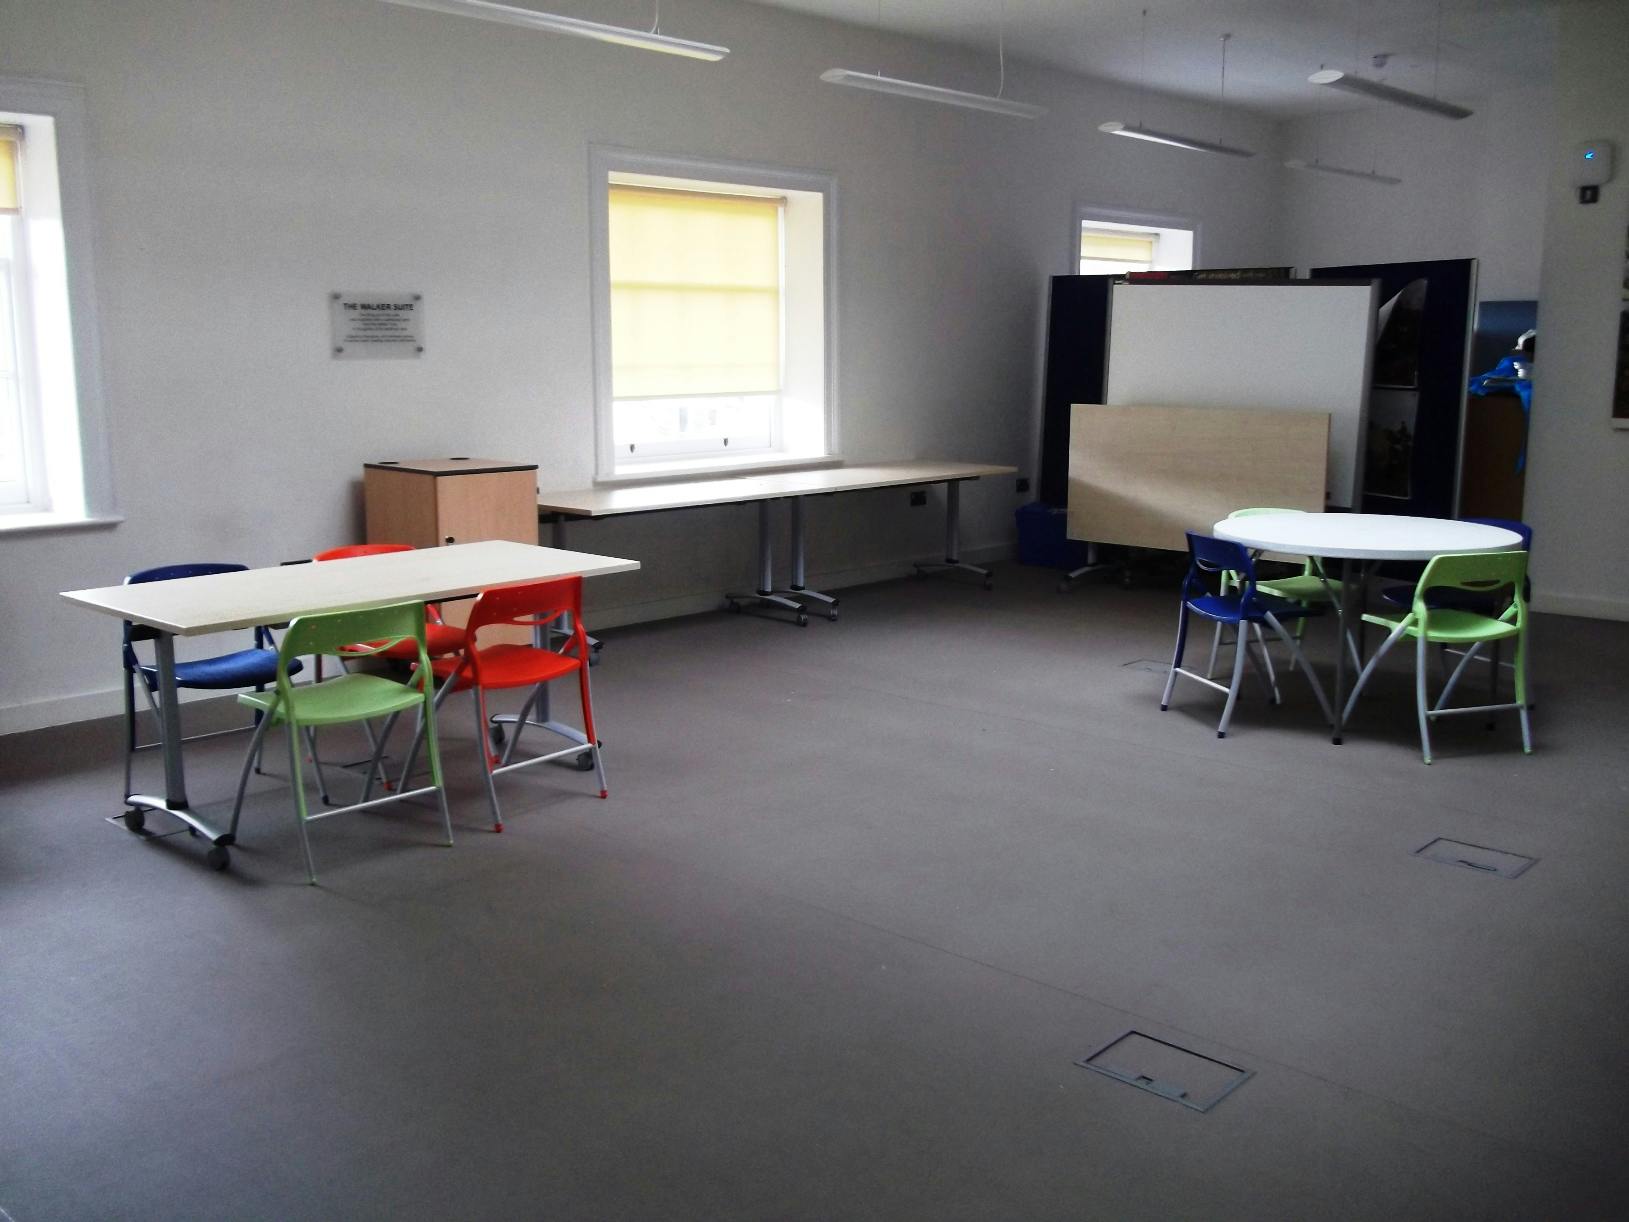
point(1585, 606)
point(89, 706)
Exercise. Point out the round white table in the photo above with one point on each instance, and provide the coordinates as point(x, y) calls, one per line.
point(1360, 541)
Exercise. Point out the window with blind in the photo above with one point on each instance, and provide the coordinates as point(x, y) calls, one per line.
point(1114, 243)
point(53, 442)
point(712, 330)
point(23, 486)
point(1109, 252)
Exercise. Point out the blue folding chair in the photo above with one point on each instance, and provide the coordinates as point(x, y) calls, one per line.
point(1240, 605)
point(254, 668)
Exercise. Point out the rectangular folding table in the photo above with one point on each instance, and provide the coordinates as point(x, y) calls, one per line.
point(563, 506)
point(196, 606)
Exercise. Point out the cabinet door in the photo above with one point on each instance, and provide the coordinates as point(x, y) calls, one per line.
point(489, 505)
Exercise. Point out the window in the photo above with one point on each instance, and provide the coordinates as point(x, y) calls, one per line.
point(53, 456)
point(713, 311)
point(1113, 244)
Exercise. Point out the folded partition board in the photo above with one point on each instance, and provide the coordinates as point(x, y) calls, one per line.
point(1141, 476)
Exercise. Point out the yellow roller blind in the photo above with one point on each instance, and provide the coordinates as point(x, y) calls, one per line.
point(1120, 247)
point(695, 293)
point(11, 201)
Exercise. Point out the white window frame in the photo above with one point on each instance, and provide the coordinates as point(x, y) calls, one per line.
point(88, 497)
point(606, 161)
point(1092, 216)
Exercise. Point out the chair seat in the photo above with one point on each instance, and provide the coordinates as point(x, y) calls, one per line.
point(1451, 627)
point(246, 668)
point(504, 666)
point(439, 641)
point(1303, 587)
point(347, 698)
point(1225, 608)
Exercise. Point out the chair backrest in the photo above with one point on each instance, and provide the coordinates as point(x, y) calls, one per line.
point(1477, 572)
point(168, 572)
point(1521, 528)
point(534, 604)
point(380, 627)
point(351, 550)
point(1208, 554)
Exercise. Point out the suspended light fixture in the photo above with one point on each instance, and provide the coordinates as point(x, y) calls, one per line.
point(1324, 167)
point(1364, 87)
point(508, 14)
point(1381, 92)
point(1138, 131)
point(994, 103)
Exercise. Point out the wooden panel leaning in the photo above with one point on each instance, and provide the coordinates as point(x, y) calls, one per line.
point(1141, 476)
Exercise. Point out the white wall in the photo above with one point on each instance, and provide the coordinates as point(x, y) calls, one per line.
point(249, 156)
point(1492, 187)
point(1580, 506)
point(1472, 188)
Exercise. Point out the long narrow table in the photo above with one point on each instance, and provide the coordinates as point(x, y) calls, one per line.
point(196, 606)
point(559, 507)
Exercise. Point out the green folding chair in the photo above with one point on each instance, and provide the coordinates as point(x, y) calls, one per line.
point(347, 698)
point(1485, 573)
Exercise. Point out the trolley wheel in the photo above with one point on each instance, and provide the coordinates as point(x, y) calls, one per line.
point(803, 620)
point(135, 819)
point(218, 858)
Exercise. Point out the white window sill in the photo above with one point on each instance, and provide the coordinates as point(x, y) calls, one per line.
point(40, 523)
point(690, 469)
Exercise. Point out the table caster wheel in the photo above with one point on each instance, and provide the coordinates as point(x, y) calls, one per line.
point(832, 615)
point(736, 607)
point(218, 858)
point(989, 583)
point(135, 820)
point(496, 733)
point(584, 762)
point(803, 620)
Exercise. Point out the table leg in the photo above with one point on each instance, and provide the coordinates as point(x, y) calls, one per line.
point(765, 594)
point(953, 527)
point(1354, 579)
point(796, 589)
point(174, 802)
point(557, 538)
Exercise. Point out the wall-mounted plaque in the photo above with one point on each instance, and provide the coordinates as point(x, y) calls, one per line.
point(376, 326)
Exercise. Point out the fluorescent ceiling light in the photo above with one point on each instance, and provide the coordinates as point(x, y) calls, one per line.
point(1387, 93)
point(507, 14)
point(930, 93)
point(1296, 163)
point(1177, 142)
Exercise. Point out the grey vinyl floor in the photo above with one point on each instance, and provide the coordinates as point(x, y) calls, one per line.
point(861, 896)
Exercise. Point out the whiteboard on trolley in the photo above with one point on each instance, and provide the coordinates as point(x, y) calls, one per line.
point(1294, 345)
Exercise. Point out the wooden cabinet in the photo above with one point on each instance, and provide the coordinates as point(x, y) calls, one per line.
point(428, 502)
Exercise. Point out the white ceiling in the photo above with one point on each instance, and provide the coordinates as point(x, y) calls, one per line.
point(1486, 44)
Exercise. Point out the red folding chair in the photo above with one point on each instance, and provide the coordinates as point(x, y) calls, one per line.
point(440, 639)
point(551, 609)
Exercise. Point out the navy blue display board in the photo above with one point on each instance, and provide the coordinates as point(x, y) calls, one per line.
point(1412, 451)
point(1077, 346)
